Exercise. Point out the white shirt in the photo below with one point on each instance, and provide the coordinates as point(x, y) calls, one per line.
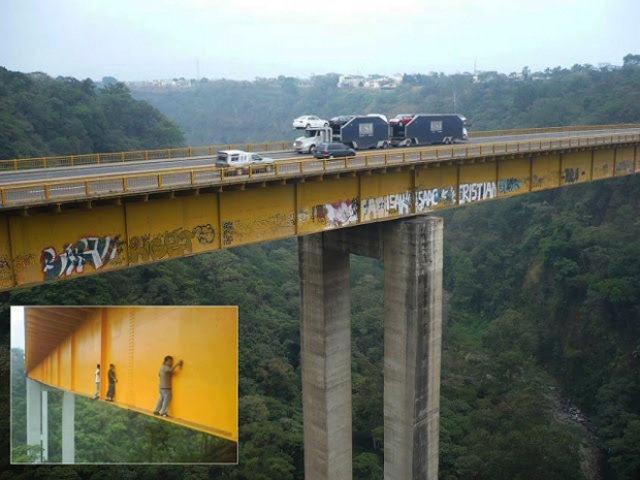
point(97, 375)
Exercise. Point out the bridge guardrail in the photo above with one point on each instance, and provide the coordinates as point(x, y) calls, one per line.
point(135, 156)
point(530, 131)
point(203, 151)
point(95, 186)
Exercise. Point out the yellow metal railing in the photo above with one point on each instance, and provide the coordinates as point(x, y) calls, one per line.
point(531, 131)
point(33, 192)
point(119, 157)
point(204, 151)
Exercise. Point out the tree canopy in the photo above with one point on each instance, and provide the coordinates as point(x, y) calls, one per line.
point(42, 116)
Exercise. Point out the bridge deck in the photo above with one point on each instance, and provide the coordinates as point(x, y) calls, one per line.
point(137, 218)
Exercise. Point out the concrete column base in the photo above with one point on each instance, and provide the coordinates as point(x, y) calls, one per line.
point(325, 360)
point(34, 414)
point(412, 254)
point(68, 427)
point(412, 347)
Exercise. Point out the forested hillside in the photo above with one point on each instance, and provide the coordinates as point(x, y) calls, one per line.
point(226, 111)
point(541, 308)
point(40, 116)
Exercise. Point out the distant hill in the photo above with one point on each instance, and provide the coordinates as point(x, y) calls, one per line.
point(40, 115)
point(228, 111)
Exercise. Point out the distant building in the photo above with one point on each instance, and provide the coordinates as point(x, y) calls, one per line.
point(158, 85)
point(374, 82)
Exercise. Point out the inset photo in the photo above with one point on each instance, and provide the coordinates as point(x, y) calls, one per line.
point(96, 385)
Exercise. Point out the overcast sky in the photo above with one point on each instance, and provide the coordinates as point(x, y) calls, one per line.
point(17, 327)
point(244, 39)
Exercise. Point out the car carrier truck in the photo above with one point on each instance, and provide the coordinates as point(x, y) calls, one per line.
point(359, 132)
point(425, 129)
point(363, 132)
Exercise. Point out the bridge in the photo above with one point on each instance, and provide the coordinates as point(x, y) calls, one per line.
point(59, 221)
point(64, 345)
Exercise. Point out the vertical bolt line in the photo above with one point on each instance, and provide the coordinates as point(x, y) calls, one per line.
point(131, 392)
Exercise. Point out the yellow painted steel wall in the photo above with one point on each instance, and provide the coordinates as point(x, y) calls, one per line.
point(43, 241)
point(135, 340)
point(545, 172)
point(436, 187)
point(173, 227)
point(386, 196)
point(327, 204)
point(251, 216)
point(625, 157)
point(7, 279)
point(41, 247)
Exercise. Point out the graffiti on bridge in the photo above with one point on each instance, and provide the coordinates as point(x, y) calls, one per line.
point(383, 207)
point(6, 272)
point(435, 197)
point(336, 214)
point(240, 231)
point(476, 192)
point(624, 166)
point(572, 175)
point(509, 185)
point(169, 244)
point(94, 251)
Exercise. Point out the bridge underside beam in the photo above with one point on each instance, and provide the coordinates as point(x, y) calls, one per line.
point(412, 254)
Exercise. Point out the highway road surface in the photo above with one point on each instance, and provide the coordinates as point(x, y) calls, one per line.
point(149, 166)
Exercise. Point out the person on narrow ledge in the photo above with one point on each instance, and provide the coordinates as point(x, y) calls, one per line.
point(166, 371)
point(97, 391)
point(112, 382)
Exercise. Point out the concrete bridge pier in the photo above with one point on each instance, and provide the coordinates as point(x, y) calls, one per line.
point(37, 424)
point(68, 427)
point(326, 359)
point(412, 348)
point(412, 253)
point(38, 420)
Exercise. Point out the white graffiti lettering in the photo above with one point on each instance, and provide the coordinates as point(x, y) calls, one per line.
point(96, 251)
point(426, 199)
point(476, 192)
point(383, 207)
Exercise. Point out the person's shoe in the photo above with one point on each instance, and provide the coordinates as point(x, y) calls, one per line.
point(164, 415)
point(156, 413)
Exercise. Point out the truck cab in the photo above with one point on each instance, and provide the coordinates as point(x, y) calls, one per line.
point(311, 139)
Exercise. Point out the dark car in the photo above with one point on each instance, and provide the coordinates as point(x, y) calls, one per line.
point(336, 123)
point(331, 150)
point(340, 120)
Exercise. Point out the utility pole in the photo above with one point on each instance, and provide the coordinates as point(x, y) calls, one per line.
point(197, 69)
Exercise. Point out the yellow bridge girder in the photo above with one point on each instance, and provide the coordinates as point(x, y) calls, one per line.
point(64, 345)
point(46, 244)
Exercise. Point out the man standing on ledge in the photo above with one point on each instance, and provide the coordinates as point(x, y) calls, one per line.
point(97, 375)
point(165, 385)
point(112, 382)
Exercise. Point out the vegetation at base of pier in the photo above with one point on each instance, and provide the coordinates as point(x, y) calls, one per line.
point(542, 297)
